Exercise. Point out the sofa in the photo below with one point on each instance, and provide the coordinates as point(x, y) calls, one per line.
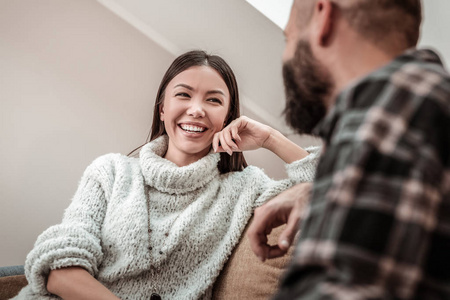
point(243, 276)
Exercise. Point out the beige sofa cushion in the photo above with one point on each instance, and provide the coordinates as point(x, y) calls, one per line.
point(246, 277)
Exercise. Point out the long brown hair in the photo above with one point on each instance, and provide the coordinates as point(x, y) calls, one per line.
point(227, 163)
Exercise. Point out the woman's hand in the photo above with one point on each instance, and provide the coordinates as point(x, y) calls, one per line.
point(246, 134)
point(240, 135)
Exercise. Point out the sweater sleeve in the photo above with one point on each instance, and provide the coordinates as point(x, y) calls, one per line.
point(302, 170)
point(74, 242)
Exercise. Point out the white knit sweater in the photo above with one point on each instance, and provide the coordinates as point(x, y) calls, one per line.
point(144, 225)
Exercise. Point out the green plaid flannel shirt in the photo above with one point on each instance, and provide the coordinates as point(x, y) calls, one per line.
point(378, 226)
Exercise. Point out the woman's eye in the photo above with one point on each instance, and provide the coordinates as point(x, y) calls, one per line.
point(184, 95)
point(215, 100)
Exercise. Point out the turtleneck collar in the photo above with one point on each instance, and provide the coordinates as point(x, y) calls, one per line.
point(167, 177)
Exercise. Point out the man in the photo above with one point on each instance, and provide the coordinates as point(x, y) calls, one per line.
point(378, 225)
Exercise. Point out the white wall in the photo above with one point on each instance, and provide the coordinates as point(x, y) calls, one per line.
point(435, 27)
point(75, 82)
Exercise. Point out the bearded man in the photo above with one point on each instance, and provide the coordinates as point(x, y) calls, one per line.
point(378, 224)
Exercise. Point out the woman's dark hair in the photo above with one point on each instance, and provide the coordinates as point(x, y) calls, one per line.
point(227, 163)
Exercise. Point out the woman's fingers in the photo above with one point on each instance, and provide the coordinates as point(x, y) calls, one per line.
point(215, 142)
point(235, 134)
point(240, 135)
point(224, 144)
point(225, 140)
point(235, 127)
point(229, 140)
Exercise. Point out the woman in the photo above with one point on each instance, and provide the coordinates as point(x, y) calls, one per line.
point(166, 222)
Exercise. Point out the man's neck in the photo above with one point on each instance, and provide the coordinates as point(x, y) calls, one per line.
point(354, 57)
point(358, 63)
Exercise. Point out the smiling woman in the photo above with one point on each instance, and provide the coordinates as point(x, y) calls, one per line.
point(196, 104)
point(222, 87)
point(163, 225)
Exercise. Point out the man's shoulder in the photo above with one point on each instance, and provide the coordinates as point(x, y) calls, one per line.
point(405, 102)
point(417, 76)
point(424, 79)
point(406, 99)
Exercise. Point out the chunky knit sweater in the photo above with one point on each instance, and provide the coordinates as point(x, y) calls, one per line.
point(144, 225)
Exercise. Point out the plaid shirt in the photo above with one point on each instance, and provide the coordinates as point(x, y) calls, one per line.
point(378, 226)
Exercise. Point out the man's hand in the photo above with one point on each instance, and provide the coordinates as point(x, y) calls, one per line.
point(287, 207)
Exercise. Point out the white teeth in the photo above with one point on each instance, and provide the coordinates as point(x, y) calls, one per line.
point(192, 128)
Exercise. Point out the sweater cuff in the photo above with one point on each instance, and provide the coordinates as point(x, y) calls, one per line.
point(73, 262)
point(304, 170)
point(58, 247)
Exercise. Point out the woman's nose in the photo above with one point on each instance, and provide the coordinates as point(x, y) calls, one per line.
point(196, 110)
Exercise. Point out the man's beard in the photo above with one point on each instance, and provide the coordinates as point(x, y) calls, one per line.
point(307, 86)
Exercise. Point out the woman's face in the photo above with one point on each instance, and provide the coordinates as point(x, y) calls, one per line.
point(196, 103)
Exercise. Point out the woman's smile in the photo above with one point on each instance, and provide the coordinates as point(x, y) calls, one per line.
point(194, 128)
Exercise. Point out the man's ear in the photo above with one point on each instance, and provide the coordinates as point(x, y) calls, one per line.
point(323, 21)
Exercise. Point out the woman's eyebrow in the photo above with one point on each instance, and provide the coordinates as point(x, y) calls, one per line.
point(191, 89)
point(185, 86)
point(215, 92)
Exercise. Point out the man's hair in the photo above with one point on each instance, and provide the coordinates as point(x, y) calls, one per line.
point(387, 23)
point(378, 19)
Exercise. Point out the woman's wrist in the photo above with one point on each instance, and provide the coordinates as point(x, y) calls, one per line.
point(273, 140)
point(283, 147)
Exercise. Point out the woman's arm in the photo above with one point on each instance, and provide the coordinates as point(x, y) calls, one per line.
point(76, 242)
point(246, 134)
point(284, 148)
point(76, 283)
